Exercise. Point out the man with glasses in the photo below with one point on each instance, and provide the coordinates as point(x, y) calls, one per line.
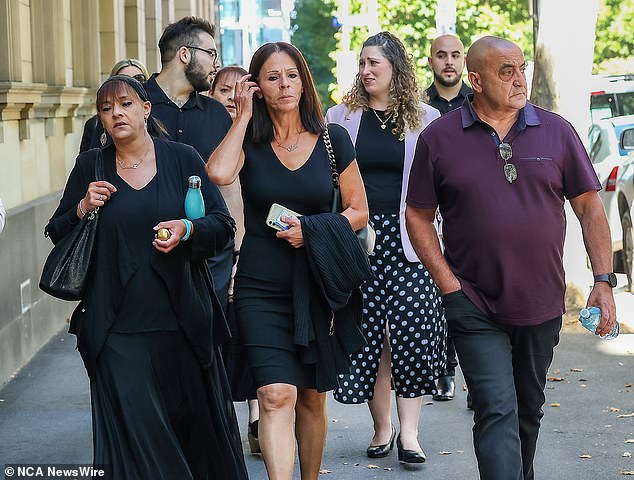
point(189, 61)
point(500, 169)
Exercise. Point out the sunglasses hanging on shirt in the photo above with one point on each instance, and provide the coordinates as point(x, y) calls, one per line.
point(506, 152)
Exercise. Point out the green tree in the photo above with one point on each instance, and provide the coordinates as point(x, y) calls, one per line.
point(615, 43)
point(312, 32)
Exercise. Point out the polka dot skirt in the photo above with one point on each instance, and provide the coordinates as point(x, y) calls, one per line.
point(404, 295)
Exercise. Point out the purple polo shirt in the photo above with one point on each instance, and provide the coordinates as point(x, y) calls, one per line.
point(503, 241)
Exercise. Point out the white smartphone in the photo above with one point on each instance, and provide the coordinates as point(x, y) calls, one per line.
point(274, 218)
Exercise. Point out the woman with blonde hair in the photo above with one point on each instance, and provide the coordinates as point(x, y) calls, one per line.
point(403, 323)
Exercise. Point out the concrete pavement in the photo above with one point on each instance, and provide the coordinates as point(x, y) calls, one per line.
point(45, 418)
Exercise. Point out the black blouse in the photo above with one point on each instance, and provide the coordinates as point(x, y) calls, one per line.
point(380, 156)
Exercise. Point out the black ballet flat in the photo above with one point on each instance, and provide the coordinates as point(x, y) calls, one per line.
point(409, 456)
point(380, 451)
point(252, 436)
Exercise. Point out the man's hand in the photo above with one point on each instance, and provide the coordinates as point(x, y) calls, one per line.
point(601, 296)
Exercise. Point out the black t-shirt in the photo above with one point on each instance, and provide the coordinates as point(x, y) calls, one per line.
point(202, 122)
point(306, 190)
point(145, 306)
point(380, 156)
point(443, 105)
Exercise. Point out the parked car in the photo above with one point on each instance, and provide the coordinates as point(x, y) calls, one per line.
point(611, 96)
point(611, 150)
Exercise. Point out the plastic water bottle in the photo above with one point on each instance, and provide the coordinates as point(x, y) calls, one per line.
point(590, 318)
point(194, 203)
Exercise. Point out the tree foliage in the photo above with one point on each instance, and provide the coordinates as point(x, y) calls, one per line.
point(312, 32)
point(615, 43)
point(414, 22)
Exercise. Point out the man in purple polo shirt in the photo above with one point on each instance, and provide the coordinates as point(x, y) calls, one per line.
point(500, 170)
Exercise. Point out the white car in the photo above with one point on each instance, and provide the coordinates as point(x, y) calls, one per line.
point(611, 150)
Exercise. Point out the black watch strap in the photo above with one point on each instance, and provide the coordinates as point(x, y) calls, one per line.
point(609, 278)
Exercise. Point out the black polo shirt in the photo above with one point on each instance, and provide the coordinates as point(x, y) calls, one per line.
point(202, 122)
point(444, 106)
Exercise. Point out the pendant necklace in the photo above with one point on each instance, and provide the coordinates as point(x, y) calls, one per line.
point(292, 147)
point(134, 165)
point(382, 122)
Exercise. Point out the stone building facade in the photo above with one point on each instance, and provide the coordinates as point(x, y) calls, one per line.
point(53, 56)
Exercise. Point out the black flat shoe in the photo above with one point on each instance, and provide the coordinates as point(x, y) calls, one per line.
point(469, 402)
point(252, 436)
point(445, 389)
point(380, 451)
point(409, 456)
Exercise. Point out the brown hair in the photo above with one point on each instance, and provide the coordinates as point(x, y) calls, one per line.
point(233, 69)
point(405, 95)
point(120, 85)
point(183, 32)
point(260, 126)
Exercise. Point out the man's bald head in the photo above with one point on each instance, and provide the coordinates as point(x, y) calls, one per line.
point(446, 61)
point(448, 43)
point(479, 52)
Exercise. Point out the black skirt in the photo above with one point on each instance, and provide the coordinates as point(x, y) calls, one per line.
point(157, 414)
point(236, 363)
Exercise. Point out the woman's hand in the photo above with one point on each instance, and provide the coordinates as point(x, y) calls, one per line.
point(97, 195)
point(177, 230)
point(244, 97)
point(294, 234)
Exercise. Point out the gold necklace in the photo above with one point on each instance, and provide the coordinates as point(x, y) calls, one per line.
point(292, 147)
point(134, 165)
point(382, 122)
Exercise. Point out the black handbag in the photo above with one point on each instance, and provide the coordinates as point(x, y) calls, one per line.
point(67, 267)
point(367, 235)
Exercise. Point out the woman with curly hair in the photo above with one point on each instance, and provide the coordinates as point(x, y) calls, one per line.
point(403, 322)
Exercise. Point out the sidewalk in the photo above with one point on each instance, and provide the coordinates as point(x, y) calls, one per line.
point(45, 418)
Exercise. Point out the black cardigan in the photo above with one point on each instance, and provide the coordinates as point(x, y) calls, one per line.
point(327, 301)
point(183, 270)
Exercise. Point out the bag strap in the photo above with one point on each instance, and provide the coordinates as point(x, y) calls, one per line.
point(331, 158)
point(99, 166)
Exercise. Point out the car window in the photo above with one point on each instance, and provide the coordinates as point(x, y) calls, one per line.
point(626, 103)
point(595, 142)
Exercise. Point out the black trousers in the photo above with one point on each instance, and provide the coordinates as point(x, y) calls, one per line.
point(505, 369)
point(452, 360)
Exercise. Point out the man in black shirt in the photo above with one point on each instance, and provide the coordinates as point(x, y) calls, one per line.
point(189, 61)
point(447, 93)
point(447, 61)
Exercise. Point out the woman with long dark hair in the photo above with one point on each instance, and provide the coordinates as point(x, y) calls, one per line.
point(294, 345)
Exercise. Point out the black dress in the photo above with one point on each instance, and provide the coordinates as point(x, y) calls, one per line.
point(263, 292)
point(161, 403)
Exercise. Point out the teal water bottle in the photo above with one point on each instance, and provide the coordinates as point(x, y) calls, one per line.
point(194, 203)
point(590, 318)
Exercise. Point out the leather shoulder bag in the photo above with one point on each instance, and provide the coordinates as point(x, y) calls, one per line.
point(67, 267)
point(367, 235)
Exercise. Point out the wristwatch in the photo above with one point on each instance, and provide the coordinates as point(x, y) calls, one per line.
point(609, 278)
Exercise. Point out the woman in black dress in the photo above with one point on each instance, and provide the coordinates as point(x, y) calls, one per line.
point(149, 324)
point(275, 146)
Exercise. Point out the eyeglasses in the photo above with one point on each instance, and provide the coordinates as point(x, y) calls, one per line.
point(139, 77)
point(506, 152)
point(213, 52)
